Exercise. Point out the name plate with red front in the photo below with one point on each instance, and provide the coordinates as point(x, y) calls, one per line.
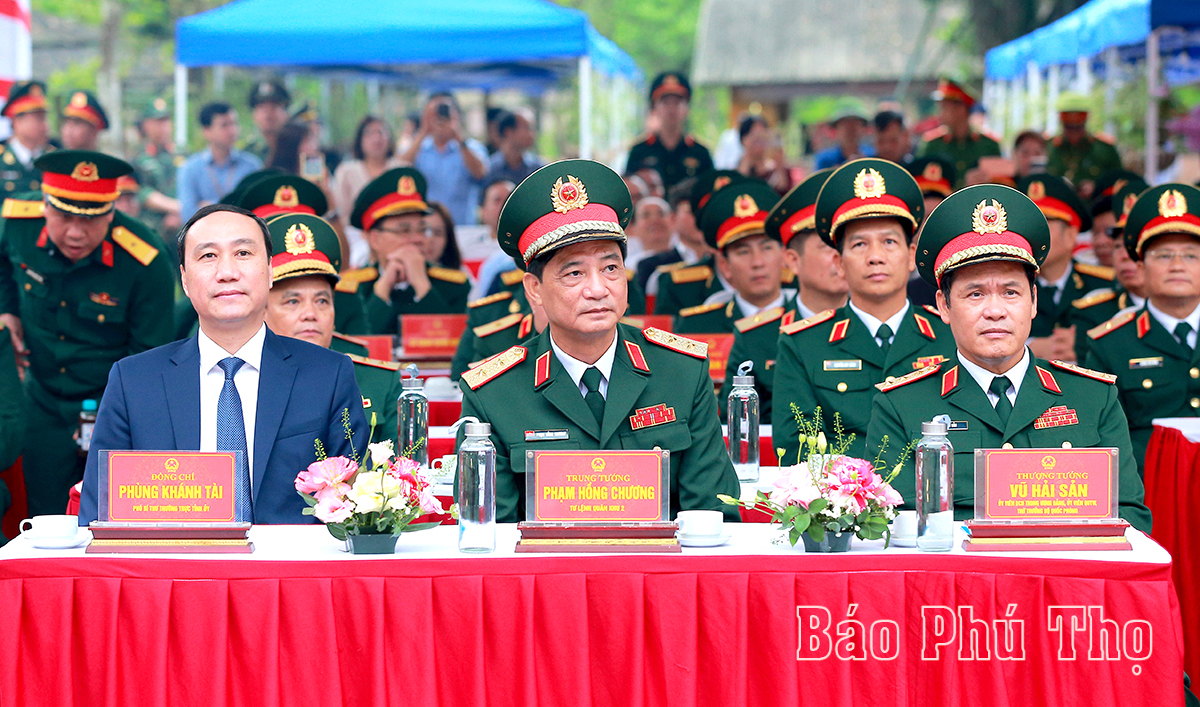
point(719, 346)
point(431, 333)
point(1046, 484)
point(597, 486)
point(166, 487)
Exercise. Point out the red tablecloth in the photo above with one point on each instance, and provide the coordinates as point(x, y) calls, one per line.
point(1173, 495)
point(586, 630)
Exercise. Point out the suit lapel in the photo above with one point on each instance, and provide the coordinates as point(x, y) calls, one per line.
point(1032, 400)
point(625, 385)
point(275, 379)
point(182, 388)
point(858, 341)
point(561, 392)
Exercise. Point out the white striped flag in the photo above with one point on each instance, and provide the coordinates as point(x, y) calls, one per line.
point(16, 47)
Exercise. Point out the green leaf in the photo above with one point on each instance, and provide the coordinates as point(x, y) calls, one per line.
point(413, 527)
point(802, 523)
point(307, 499)
point(309, 511)
point(794, 536)
point(817, 506)
point(816, 532)
point(337, 530)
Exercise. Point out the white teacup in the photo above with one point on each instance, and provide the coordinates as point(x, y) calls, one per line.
point(444, 465)
point(700, 524)
point(904, 529)
point(50, 527)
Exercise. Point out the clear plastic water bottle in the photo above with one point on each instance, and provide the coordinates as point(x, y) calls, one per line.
point(477, 490)
point(87, 423)
point(412, 419)
point(935, 487)
point(743, 424)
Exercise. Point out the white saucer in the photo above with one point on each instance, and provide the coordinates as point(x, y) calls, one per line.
point(78, 539)
point(703, 540)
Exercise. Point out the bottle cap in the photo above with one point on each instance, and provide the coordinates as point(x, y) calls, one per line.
point(412, 384)
point(478, 429)
point(743, 380)
point(934, 428)
point(89, 406)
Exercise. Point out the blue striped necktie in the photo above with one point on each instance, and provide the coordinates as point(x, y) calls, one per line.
point(231, 437)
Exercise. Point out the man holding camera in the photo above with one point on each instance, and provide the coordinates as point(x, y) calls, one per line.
point(453, 164)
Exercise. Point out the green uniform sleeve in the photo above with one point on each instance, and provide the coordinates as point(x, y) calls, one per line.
point(705, 469)
point(12, 404)
point(152, 313)
point(508, 484)
point(349, 316)
point(792, 386)
point(9, 302)
point(1114, 432)
point(886, 422)
point(381, 318)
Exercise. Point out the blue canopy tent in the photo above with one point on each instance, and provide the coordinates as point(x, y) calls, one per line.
point(485, 44)
point(1114, 30)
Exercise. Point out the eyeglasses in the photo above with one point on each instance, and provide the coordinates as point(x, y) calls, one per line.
point(1165, 257)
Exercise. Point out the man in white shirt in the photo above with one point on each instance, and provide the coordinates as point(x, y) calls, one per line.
point(230, 388)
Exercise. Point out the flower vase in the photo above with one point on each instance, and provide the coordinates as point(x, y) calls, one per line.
point(372, 544)
point(832, 542)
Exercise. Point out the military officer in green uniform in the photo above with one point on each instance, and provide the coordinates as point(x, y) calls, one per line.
point(793, 222)
point(985, 244)
point(1076, 154)
point(390, 211)
point(301, 304)
point(83, 119)
point(156, 163)
point(269, 102)
point(673, 154)
point(682, 285)
point(749, 259)
point(1106, 211)
point(588, 381)
point(26, 109)
point(81, 286)
point(1129, 289)
point(868, 211)
point(1152, 349)
point(1061, 279)
point(12, 416)
point(956, 140)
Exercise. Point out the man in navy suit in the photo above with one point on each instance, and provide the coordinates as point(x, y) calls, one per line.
point(231, 386)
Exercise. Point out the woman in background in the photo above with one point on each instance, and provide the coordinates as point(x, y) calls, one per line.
point(374, 153)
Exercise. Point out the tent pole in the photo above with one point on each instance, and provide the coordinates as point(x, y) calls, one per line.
point(1111, 83)
point(585, 107)
point(1053, 75)
point(181, 107)
point(1152, 88)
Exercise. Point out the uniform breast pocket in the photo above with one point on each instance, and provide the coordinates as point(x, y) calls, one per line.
point(673, 437)
point(101, 312)
point(847, 392)
point(1150, 393)
point(519, 456)
point(1068, 436)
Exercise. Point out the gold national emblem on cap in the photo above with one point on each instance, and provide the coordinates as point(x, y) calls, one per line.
point(989, 218)
point(79, 100)
point(407, 186)
point(571, 195)
point(670, 81)
point(868, 184)
point(745, 206)
point(1172, 204)
point(720, 182)
point(1037, 191)
point(160, 104)
point(35, 91)
point(932, 172)
point(85, 172)
point(286, 196)
point(299, 239)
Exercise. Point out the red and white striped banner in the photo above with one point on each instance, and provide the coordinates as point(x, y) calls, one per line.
point(16, 47)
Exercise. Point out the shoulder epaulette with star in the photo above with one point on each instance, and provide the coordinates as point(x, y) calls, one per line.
point(352, 339)
point(671, 267)
point(932, 310)
point(909, 378)
point(701, 309)
point(141, 251)
point(745, 324)
point(694, 273)
point(629, 275)
point(351, 279)
point(810, 322)
point(682, 344)
point(493, 367)
point(386, 365)
point(498, 297)
point(1120, 320)
point(1085, 372)
point(924, 327)
point(931, 135)
point(1100, 272)
point(499, 325)
point(1094, 298)
point(20, 208)
point(512, 277)
point(447, 275)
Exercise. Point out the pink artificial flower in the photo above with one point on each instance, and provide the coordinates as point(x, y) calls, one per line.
point(333, 510)
point(890, 497)
point(428, 502)
point(853, 480)
point(795, 487)
point(326, 478)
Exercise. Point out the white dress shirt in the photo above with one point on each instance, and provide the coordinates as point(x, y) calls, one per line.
point(575, 367)
point(873, 324)
point(749, 310)
point(984, 377)
point(23, 154)
point(212, 380)
point(1169, 323)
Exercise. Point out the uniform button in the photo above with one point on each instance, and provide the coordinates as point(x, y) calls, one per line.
point(1147, 383)
point(1006, 445)
point(1196, 402)
point(9, 186)
point(842, 387)
point(889, 379)
point(1066, 445)
point(35, 184)
point(62, 337)
point(62, 304)
point(1194, 373)
point(100, 318)
point(28, 287)
point(62, 370)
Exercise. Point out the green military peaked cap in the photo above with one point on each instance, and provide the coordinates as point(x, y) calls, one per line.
point(706, 184)
point(155, 109)
point(1161, 210)
point(81, 182)
point(25, 97)
point(565, 202)
point(86, 107)
point(1125, 198)
point(868, 188)
point(303, 245)
point(981, 223)
point(934, 174)
point(1110, 182)
point(234, 197)
point(269, 92)
point(394, 193)
point(273, 194)
point(1057, 199)
point(797, 210)
point(670, 83)
point(737, 211)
